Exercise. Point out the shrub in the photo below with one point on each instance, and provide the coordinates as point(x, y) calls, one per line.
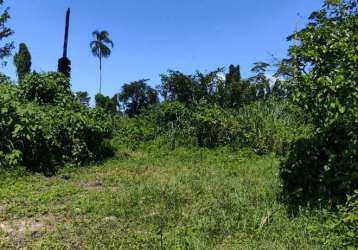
point(49, 88)
point(176, 124)
point(172, 115)
point(134, 131)
point(343, 226)
point(106, 103)
point(137, 96)
point(9, 155)
point(322, 169)
point(270, 126)
point(215, 126)
point(325, 63)
point(42, 132)
point(170, 120)
point(264, 126)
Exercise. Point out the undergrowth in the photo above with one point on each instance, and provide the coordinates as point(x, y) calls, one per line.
point(156, 198)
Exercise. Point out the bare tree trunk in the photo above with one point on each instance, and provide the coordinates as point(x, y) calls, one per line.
point(100, 74)
point(67, 25)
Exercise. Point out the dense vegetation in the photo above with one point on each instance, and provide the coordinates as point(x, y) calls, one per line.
point(227, 156)
point(44, 126)
point(156, 198)
point(324, 64)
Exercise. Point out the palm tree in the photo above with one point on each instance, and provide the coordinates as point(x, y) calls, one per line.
point(100, 48)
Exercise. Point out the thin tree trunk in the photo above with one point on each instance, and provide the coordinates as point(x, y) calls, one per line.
point(100, 74)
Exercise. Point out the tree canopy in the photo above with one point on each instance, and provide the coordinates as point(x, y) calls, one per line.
point(137, 96)
point(22, 61)
point(5, 33)
point(101, 48)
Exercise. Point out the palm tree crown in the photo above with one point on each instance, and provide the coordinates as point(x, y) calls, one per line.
point(101, 48)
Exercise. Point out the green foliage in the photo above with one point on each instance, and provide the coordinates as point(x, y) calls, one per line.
point(101, 48)
point(137, 96)
point(22, 61)
point(271, 125)
point(234, 92)
point(156, 198)
point(106, 103)
point(214, 126)
point(326, 63)
point(321, 169)
point(263, 126)
point(279, 89)
point(5, 32)
point(173, 115)
point(341, 228)
point(49, 137)
point(191, 89)
point(170, 120)
point(43, 126)
point(4, 79)
point(344, 229)
point(9, 155)
point(49, 88)
point(259, 82)
point(83, 97)
point(229, 91)
point(177, 86)
point(132, 132)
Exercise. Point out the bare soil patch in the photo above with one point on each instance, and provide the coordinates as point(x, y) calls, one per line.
point(19, 229)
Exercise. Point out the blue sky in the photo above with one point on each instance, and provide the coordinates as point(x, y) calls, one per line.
point(152, 36)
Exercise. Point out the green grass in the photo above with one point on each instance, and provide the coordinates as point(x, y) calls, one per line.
point(154, 199)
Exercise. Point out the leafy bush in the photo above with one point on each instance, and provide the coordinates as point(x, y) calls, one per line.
point(203, 125)
point(270, 126)
point(325, 62)
point(41, 133)
point(342, 228)
point(137, 96)
point(170, 120)
point(215, 126)
point(264, 126)
point(9, 155)
point(49, 88)
point(322, 169)
point(134, 131)
point(173, 120)
point(106, 103)
point(52, 136)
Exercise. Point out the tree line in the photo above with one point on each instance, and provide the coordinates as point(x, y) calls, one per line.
point(225, 88)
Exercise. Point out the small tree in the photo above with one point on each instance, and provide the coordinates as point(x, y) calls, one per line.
point(5, 32)
point(106, 103)
point(323, 63)
point(177, 86)
point(22, 61)
point(83, 97)
point(235, 91)
point(260, 81)
point(191, 89)
point(137, 96)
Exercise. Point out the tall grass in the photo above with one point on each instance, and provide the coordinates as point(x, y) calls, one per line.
point(271, 125)
point(266, 126)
